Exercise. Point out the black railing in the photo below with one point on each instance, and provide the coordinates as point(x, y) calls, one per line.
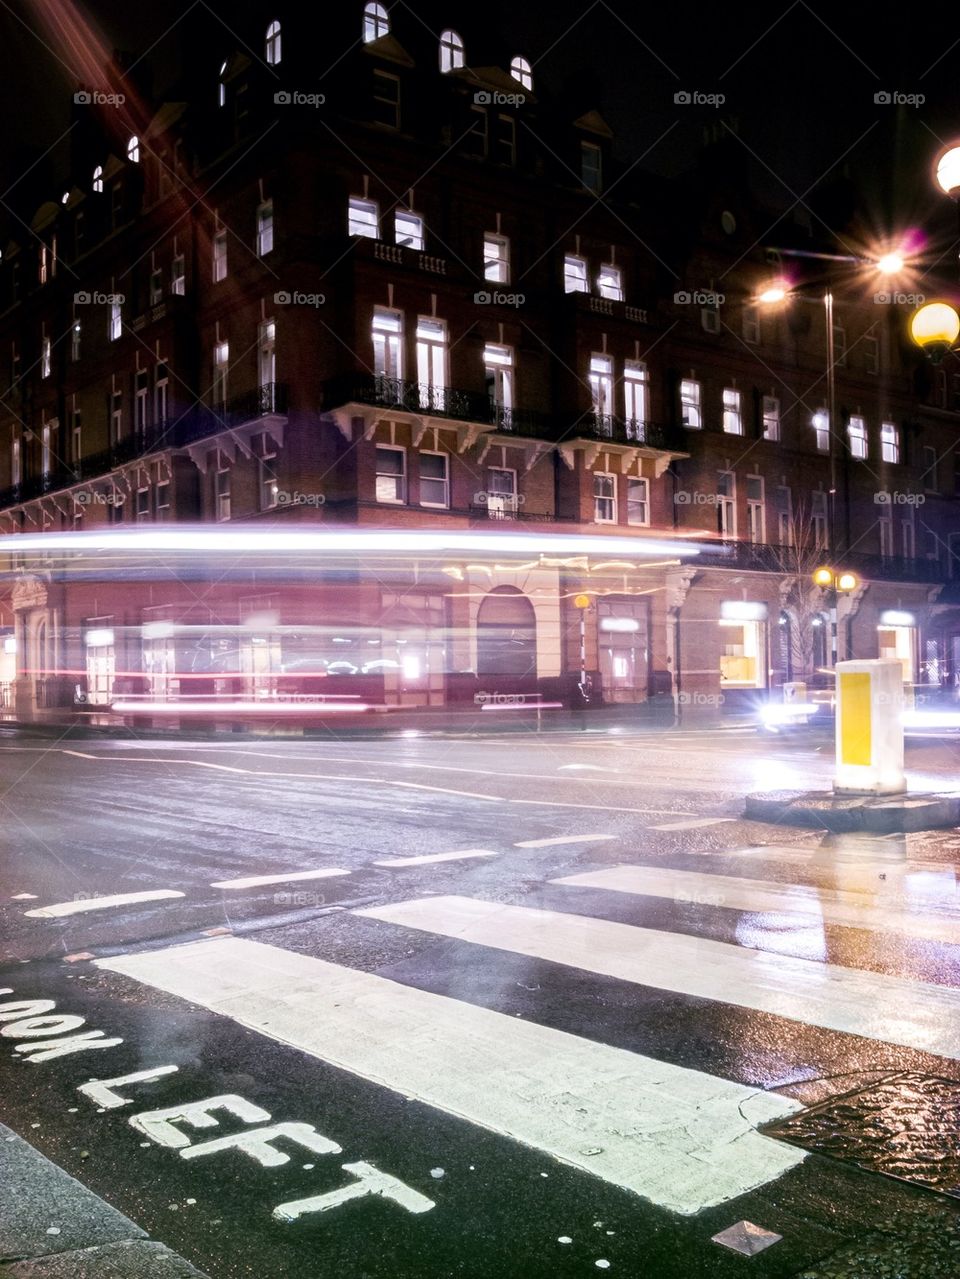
point(195, 424)
point(766, 558)
point(476, 406)
point(605, 426)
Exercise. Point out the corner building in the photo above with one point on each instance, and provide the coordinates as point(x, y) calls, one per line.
point(416, 291)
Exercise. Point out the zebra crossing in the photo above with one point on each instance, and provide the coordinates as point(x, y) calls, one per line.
point(681, 1138)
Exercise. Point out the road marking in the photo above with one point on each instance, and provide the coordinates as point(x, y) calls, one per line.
point(563, 839)
point(427, 858)
point(268, 775)
point(683, 1139)
point(853, 908)
point(838, 859)
point(693, 825)
point(894, 1010)
point(59, 909)
point(255, 881)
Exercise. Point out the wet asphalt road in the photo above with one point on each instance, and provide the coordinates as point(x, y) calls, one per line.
point(92, 819)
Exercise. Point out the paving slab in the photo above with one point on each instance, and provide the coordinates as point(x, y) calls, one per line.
point(39, 1198)
point(126, 1259)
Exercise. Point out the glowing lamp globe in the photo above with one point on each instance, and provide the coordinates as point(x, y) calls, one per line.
point(823, 577)
point(934, 328)
point(948, 171)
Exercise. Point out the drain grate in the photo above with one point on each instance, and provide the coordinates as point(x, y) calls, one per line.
point(905, 1126)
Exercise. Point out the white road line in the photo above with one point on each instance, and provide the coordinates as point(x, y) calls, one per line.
point(693, 825)
point(100, 903)
point(894, 1010)
point(838, 859)
point(255, 881)
point(683, 1139)
point(853, 908)
point(563, 839)
point(268, 775)
point(427, 858)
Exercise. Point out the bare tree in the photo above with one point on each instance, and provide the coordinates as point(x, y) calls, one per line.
point(800, 597)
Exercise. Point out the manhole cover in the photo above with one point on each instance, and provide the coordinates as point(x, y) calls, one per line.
point(906, 1126)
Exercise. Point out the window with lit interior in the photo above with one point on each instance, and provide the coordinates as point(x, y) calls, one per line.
point(376, 24)
point(451, 51)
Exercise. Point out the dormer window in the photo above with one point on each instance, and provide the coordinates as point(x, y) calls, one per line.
point(521, 70)
point(133, 150)
point(273, 44)
point(98, 179)
point(451, 51)
point(591, 166)
point(375, 22)
point(222, 86)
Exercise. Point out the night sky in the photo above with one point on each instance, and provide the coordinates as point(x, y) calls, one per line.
point(799, 83)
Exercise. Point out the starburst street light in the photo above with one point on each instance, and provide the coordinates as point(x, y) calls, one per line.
point(890, 264)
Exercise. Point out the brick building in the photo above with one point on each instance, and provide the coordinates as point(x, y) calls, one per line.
point(415, 291)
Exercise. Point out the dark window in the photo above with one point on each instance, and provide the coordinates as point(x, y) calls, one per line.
point(386, 99)
point(506, 634)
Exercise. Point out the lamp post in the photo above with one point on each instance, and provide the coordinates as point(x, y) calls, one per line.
point(887, 264)
point(836, 583)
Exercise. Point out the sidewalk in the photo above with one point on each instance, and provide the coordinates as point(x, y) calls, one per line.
point(403, 721)
point(52, 1227)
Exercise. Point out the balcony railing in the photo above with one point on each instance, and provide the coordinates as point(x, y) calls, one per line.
point(435, 401)
point(766, 558)
point(605, 426)
point(195, 424)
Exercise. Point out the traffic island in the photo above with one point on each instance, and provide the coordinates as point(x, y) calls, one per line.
point(841, 814)
point(869, 789)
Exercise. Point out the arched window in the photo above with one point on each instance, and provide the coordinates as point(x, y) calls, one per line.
point(98, 178)
point(521, 70)
point(273, 43)
point(506, 634)
point(222, 86)
point(133, 150)
point(375, 22)
point(451, 51)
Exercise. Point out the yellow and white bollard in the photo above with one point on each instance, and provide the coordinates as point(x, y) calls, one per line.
point(870, 728)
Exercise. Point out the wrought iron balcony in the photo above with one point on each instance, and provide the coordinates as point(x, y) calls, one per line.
point(764, 557)
point(435, 401)
point(618, 430)
point(196, 423)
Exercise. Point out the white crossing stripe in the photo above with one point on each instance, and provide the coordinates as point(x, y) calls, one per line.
point(256, 881)
point(427, 858)
point(78, 907)
point(683, 1139)
point(851, 908)
point(839, 859)
point(693, 825)
point(894, 1010)
point(563, 839)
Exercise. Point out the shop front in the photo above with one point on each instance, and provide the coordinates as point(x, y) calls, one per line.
point(744, 664)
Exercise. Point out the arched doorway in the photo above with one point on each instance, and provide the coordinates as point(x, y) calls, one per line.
point(507, 636)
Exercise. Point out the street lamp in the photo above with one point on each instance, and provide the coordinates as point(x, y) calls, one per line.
point(948, 171)
point(934, 328)
point(836, 583)
point(889, 263)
